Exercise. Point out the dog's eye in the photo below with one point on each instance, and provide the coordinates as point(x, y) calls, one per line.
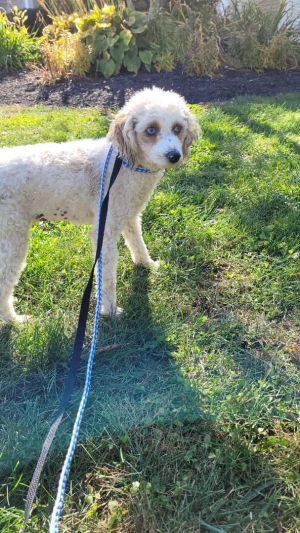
point(177, 129)
point(151, 131)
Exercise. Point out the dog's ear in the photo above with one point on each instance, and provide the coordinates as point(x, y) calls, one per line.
point(123, 136)
point(193, 131)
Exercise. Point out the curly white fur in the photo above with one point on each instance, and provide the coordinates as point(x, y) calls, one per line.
point(60, 181)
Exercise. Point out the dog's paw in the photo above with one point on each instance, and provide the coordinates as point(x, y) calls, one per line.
point(155, 264)
point(14, 319)
point(111, 312)
point(21, 319)
point(150, 263)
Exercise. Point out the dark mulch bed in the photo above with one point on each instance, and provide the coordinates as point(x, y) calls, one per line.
point(25, 87)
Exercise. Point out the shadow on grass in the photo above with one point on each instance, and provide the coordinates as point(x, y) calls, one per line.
point(144, 424)
point(278, 208)
point(257, 126)
point(138, 384)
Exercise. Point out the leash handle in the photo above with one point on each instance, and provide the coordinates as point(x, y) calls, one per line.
point(78, 345)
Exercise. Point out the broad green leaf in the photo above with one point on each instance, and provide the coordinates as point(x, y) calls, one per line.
point(138, 29)
point(100, 43)
point(125, 37)
point(107, 67)
point(117, 53)
point(132, 62)
point(130, 20)
point(146, 56)
point(112, 40)
point(117, 69)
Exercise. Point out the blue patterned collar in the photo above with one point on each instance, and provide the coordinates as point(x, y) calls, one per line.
point(139, 168)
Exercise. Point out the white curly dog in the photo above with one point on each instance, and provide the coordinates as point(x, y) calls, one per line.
point(60, 181)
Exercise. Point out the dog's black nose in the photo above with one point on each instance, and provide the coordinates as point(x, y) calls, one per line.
point(173, 156)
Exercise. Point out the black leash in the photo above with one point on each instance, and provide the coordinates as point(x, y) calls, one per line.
point(76, 354)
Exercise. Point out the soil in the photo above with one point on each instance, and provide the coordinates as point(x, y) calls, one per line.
point(26, 88)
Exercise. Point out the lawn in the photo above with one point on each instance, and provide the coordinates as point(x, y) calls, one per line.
point(193, 420)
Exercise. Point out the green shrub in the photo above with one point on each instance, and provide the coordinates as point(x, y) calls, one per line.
point(185, 33)
point(103, 39)
point(124, 38)
point(203, 55)
point(257, 38)
point(113, 37)
point(163, 32)
point(198, 45)
point(17, 47)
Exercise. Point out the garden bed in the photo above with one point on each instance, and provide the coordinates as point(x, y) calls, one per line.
point(25, 87)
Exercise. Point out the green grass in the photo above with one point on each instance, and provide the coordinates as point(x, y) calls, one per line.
point(192, 424)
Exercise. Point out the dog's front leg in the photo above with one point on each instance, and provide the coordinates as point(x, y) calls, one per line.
point(133, 236)
point(109, 278)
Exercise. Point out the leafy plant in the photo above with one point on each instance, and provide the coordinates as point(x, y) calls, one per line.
point(113, 37)
point(17, 46)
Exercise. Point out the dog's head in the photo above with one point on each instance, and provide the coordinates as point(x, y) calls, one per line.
point(155, 129)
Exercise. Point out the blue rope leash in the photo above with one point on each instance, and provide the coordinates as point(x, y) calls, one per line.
point(59, 501)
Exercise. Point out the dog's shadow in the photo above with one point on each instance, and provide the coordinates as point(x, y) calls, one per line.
point(139, 383)
point(135, 384)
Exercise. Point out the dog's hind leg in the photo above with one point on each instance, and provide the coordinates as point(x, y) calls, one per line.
point(133, 236)
point(13, 246)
